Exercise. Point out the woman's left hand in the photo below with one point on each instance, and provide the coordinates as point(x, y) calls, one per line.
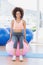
point(25, 41)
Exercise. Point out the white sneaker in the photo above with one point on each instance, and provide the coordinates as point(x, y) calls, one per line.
point(21, 58)
point(14, 58)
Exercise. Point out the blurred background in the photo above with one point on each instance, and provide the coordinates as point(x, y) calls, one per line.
point(33, 14)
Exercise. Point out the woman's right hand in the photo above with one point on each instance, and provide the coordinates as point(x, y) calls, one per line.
point(9, 40)
point(10, 37)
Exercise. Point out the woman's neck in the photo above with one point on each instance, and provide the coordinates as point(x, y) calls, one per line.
point(18, 19)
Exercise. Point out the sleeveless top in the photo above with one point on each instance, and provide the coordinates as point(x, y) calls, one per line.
point(18, 25)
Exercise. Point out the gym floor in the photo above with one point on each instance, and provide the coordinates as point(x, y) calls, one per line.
point(7, 60)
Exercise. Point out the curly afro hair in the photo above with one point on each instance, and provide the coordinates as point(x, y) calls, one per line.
point(17, 9)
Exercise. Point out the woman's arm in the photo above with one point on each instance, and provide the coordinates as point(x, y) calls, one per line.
point(11, 28)
point(24, 24)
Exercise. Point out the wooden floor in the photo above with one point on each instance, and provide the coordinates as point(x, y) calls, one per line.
point(7, 60)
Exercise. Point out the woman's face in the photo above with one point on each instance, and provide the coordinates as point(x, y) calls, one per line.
point(18, 14)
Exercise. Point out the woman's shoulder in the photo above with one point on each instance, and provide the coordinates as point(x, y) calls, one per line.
point(23, 21)
point(13, 20)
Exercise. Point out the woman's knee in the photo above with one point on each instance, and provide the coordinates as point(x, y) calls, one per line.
point(21, 39)
point(21, 42)
point(15, 40)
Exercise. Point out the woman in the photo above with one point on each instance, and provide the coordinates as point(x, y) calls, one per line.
point(16, 33)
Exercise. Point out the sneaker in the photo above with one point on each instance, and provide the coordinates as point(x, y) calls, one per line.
point(14, 58)
point(21, 58)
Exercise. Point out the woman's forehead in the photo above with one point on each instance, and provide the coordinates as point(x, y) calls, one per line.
point(18, 12)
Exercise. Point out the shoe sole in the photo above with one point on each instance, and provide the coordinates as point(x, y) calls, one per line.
point(21, 60)
point(13, 60)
